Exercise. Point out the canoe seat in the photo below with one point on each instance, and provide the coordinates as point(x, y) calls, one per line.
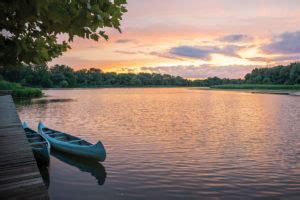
point(47, 132)
point(33, 138)
point(59, 137)
point(38, 142)
point(53, 134)
point(73, 141)
point(30, 133)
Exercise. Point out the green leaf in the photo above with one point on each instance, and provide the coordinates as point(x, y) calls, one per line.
point(38, 23)
point(44, 53)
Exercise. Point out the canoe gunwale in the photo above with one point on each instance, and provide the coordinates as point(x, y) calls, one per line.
point(44, 141)
point(70, 138)
point(41, 153)
point(88, 150)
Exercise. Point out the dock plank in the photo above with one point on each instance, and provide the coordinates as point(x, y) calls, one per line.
point(19, 174)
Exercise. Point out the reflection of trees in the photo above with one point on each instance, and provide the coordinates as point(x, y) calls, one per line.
point(45, 174)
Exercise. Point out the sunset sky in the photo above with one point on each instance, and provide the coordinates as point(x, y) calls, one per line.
point(195, 39)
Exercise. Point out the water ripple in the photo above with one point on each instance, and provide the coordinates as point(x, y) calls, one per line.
point(176, 143)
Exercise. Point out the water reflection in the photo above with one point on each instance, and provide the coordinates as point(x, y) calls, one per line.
point(24, 102)
point(93, 167)
point(44, 171)
point(175, 144)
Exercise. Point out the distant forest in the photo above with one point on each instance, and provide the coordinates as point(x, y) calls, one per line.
point(62, 76)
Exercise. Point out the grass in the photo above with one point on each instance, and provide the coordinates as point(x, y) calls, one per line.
point(5, 85)
point(19, 91)
point(256, 87)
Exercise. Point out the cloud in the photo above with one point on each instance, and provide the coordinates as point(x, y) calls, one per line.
point(286, 43)
point(122, 41)
point(204, 52)
point(289, 58)
point(164, 55)
point(126, 52)
point(231, 50)
point(236, 38)
point(193, 52)
point(152, 53)
point(203, 71)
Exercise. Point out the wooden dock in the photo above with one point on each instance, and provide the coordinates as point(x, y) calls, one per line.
point(19, 174)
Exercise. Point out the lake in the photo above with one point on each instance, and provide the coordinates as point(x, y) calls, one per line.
point(174, 143)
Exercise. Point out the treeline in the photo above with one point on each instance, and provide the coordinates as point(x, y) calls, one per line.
point(287, 75)
point(62, 76)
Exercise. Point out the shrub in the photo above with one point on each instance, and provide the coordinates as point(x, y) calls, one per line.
point(18, 91)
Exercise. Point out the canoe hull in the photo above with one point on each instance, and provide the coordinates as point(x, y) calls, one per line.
point(42, 153)
point(91, 152)
point(95, 152)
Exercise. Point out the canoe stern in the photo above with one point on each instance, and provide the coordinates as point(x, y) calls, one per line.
point(99, 148)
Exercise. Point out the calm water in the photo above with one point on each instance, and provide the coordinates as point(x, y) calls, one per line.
point(174, 143)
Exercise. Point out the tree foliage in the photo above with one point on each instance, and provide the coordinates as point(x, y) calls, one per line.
point(29, 28)
point(61, 76)
point(288, 75)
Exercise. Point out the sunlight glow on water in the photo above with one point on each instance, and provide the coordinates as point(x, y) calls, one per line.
point(175, 143)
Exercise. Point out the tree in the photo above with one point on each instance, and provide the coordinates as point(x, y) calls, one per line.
point(135, 81)
point(61, 74)
point(289, 74)
point(110, 78)
point(294, 75)
point(81, 77)
point(94, 76)
point(29, 28)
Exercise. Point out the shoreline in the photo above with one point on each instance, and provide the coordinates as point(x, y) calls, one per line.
point(254, 91)
point(258, 91)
